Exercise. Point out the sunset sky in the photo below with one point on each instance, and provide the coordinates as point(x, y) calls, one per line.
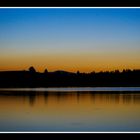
point(69, 39)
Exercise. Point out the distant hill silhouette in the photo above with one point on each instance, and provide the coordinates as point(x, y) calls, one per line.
point(60, 78)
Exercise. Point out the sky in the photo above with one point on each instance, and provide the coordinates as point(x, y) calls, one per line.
point(70, 39)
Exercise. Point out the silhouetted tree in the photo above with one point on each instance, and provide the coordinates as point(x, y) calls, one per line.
point(117, 71)
point(93, 72)
point(78, 72)
point(32, 69)
point(45, 71)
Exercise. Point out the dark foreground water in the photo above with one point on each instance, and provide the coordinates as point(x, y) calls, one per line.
point(70, 109)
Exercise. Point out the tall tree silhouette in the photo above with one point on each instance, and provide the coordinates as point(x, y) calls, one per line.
point(45, 71)
point(32, 69)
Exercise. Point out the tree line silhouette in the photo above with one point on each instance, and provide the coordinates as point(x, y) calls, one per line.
point(32, 78)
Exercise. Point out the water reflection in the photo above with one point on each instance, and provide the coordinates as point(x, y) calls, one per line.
point(69, 111)
point(32, 96)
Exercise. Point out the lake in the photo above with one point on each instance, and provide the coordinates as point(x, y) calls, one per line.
point(85, 109)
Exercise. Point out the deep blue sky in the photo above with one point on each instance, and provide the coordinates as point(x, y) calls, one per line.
point(70, 39)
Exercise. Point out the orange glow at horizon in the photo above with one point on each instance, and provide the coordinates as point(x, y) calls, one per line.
point(84, 62)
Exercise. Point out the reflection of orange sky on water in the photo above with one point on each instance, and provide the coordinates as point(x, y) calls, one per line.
point(82, 106)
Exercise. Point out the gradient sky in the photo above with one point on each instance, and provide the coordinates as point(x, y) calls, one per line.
point(70, 39)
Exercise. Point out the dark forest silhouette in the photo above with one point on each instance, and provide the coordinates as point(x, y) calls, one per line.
point(32, 78)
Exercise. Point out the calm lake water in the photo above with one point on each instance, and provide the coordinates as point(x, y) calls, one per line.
point(70, 109)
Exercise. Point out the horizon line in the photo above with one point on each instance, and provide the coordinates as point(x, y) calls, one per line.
point(127, 69)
